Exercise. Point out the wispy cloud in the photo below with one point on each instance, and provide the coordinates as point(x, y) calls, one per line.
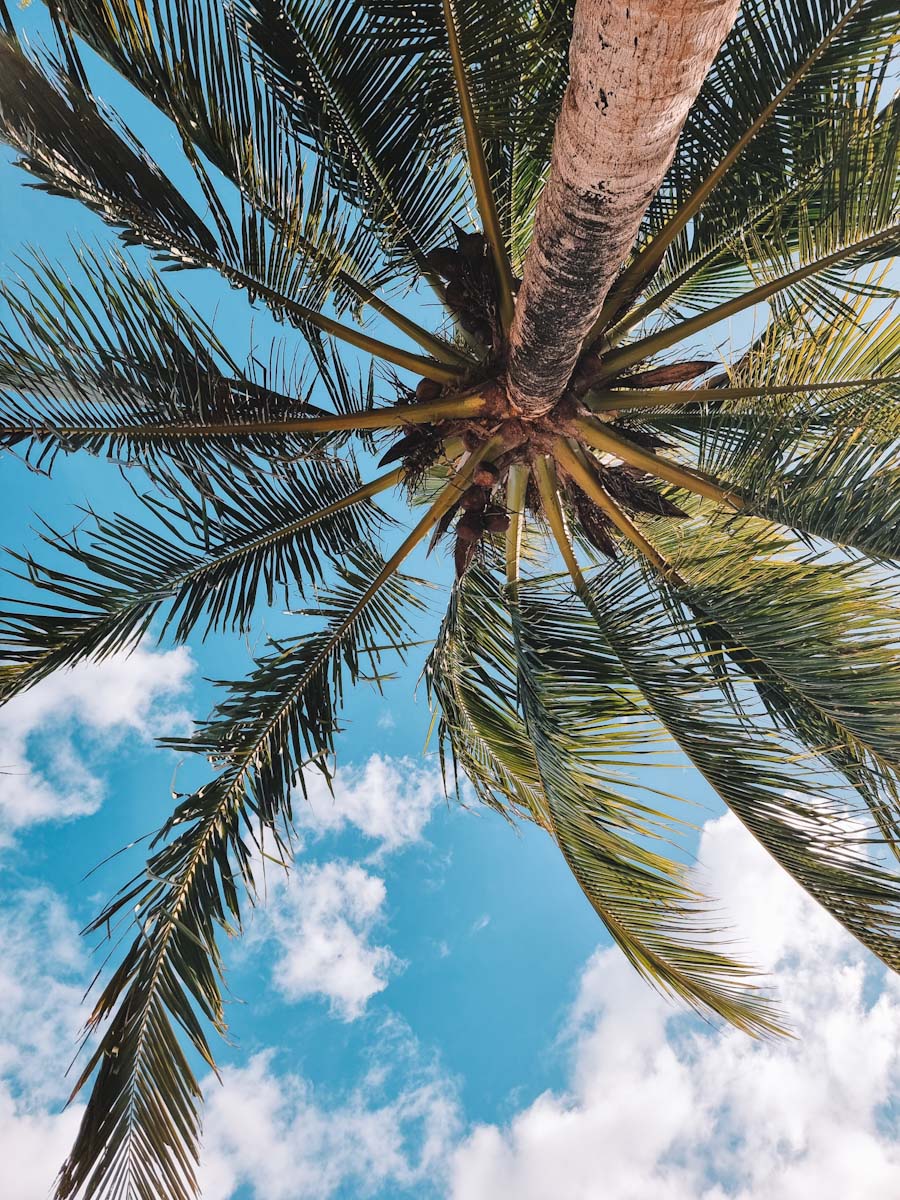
point(42, 976)
point(274, 1133)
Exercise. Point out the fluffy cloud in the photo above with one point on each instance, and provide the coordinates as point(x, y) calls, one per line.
point(389, 800)
point(42, 972)
point(321, 920)
point(659, 1107)
point(273, 1133)
point(44, 777)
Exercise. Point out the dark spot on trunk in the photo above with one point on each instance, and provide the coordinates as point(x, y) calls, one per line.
point(603, 99)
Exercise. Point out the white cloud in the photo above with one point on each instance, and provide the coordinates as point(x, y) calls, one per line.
point(44, 777)
point(321, 919)
point(656, 1106)
point(42, 970)
point(276, 1135)
point(389, 800)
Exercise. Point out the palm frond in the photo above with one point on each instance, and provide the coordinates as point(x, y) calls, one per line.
point(471, 678)
point(854, 222)
point(191, 63)
point(139, 1134)
point(195, 66)
point(205, 563)
point(479, 171)
point(821, 461)
point(65, 141)
point(568, 687)
point(101, 360)
point(346, 96)
point(819, 640)
point(720, 264)
point(808, 823)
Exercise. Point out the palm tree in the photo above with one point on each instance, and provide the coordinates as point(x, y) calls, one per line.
point(651, 540)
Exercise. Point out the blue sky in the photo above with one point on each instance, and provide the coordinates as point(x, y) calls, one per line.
point(429, 1007)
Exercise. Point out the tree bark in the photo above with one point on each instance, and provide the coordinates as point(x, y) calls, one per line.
point(635, 70)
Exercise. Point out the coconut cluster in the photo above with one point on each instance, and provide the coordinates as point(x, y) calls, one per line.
point(481, 511)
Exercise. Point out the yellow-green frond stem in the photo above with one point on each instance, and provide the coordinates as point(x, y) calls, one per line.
point(602, 438)
point(619, 360)
point(625, 399)
point(576, 467)
point(516, 487)
point(439, 350)
point(545, 477)
point(440, 372)
point(478, 168)
point(456, 407)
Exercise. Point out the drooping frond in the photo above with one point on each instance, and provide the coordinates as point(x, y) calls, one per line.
point(811, 826)
point(538, 713)
point(471, 675)
point(578, 721)
point(819, 639)
point(140, 1130)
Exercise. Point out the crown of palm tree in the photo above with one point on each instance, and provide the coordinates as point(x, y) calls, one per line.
point(648, 543)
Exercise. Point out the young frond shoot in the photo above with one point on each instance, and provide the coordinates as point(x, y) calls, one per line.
point(648, 535)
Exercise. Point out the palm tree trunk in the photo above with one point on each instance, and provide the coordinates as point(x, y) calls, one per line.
point(635, 71)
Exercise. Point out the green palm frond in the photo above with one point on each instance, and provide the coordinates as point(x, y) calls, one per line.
point(538, 712)
point(576, 719)
point(71, 149)
point(206, 563)
point(192, 64)
point(841, 147)
point(66, 143)
point(822, 461)
point(471, 678)
point(820, 640)
point(345, 96)
point(169, 980)
point(196, 67)
point(96, 361)
point(853, 222)
point(812, 827)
